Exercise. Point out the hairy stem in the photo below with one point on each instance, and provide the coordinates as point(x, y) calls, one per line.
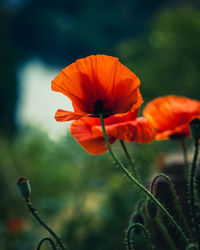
point(184, 149)
point(35, 214)
point(129, 159)
point(192, 191)
point(176, 200)
point(46, 239)
point(146, 235)
point(165, 233)
point(139, 185)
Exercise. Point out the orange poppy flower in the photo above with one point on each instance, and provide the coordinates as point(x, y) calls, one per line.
point(88, 131)
point(97, 84)
point(170, 115)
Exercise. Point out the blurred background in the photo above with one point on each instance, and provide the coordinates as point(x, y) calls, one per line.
point(84, 198)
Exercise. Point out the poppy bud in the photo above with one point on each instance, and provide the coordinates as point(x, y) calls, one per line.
point(24, 187)
point(151, 209)
point(137, 218)
point(191, 247)
point(195, 129)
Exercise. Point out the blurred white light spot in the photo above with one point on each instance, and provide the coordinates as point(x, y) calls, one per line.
point(37, 102)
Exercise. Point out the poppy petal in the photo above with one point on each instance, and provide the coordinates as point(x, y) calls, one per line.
point(119, 118)
point(88, 131)
point(124, 98)
point(85, 131)
point(171, 115)
point(94, 146)
point(63, 116)
point(97, 78)
point(139, 130)
point(178, 132)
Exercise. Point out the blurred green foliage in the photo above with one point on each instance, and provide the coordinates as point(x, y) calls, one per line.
point(83, 197)
point(166, 56)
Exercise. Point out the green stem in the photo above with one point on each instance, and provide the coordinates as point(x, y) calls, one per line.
point(129, 159)
point(140, 186)
point(176, 200)
point(191, 191)
point(146, 235)
point(46, 239)
point(34, 213)
point(184, 148)
point(166, 235)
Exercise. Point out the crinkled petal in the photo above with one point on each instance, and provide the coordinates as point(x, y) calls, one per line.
point(94, 146)
point(177, 133)
point(170, 112)
point(97, 78)
point(85, 131)
point(63, 116)
point(139, 130)
point(88, 131)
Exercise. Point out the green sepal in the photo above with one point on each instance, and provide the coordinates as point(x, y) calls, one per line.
point(195, 129)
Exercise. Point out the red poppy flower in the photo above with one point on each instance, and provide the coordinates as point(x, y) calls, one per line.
point(97, 84)
point(170, 115)
point(88, 131)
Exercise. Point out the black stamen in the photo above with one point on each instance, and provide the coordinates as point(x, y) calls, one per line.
point(98, 107)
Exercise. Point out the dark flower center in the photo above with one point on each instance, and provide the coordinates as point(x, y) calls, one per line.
point(98, 107)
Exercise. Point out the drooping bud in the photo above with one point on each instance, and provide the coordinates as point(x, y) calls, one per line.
point(24, 187)
point(195, 129)
point(152, 208)
point(137, 218)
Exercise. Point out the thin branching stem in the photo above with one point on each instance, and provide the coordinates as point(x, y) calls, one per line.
point(131, 162)
point(192, 191)
point(185, 155)
point(35, 214)
point(165, 234)
point(45, 239)
point(139, 185)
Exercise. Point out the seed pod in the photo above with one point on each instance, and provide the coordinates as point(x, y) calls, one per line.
point(24, 187)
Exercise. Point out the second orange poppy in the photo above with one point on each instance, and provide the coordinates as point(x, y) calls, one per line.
point(170, 115)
